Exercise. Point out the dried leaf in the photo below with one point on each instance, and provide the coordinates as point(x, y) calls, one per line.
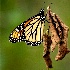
point(46, 52)
point(62, 46)
point(59, 34)
point(53, 29)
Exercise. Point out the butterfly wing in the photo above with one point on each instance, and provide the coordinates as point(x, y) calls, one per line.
point(30, 31)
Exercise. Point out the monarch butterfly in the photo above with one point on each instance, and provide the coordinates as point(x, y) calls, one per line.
point(30, 31)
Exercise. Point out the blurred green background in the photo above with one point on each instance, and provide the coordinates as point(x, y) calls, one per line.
point(20, 56)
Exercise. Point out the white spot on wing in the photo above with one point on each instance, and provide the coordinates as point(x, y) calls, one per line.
point(11, 36)
point(17, 30)
point(18, 34)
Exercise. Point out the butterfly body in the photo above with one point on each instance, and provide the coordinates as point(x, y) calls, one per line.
point(30, 31)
